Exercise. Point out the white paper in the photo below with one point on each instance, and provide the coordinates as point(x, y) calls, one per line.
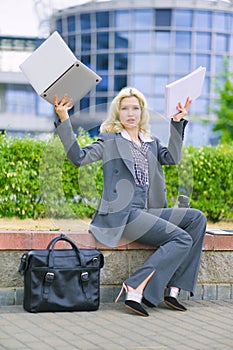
point(188, 86)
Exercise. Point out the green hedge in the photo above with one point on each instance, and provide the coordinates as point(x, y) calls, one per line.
point(37, 180)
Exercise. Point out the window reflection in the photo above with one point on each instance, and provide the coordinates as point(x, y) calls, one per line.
point(102, 19)
point(103, 85)
point(85, 20)
point(162, 40)
point(121, 61)
point(121, 40)
point(163, 18)
point(143, 18)
point(103, 40)
point(222, 21)
point(71, 23)
point(142, 63)
point(221, 42)
point(182, 63)
point(183, 18)
point(159, 84)
point(120, 81)
point(59, 25)
point(183, 40)
point(161, 63)
point(102, 62)
point(122, 19)
point(85, 103)
point(142, 41)
point(143, 83)
point(203, 60)
point(86, 42)
point(203, 41)
point(72, 42)
point(203, 20)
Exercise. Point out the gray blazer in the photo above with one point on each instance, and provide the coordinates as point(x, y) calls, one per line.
point(114, 207)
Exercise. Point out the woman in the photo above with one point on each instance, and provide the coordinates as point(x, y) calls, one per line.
point(133, 203)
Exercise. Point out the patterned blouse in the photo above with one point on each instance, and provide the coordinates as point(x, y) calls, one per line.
point(141, 168)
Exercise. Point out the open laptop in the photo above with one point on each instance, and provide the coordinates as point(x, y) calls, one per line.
point(52, 69)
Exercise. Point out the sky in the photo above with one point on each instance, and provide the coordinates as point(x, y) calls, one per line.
point(22, 18)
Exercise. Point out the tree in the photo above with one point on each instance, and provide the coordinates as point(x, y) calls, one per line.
point(224, 123)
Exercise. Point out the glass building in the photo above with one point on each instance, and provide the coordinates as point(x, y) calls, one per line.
point(147, 44)
point(142, 43)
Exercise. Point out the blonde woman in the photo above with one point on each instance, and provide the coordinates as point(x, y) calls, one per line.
point(133, 202)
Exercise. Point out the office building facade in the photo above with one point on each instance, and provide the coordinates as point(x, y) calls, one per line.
point(146, 44)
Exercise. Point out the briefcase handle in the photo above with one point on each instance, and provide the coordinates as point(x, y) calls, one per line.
point(51, 246)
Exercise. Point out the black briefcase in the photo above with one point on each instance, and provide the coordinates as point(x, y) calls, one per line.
point(61, 279)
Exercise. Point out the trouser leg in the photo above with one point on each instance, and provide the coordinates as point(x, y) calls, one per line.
point(174, 245)
point(179, 234)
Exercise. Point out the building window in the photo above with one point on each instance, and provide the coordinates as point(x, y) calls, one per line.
point(183, 40)
point(182, 63)
point(202, 19)
point(143, 83)
point(222, 21)
point(102, 61)
point(102, 40)
point(121, 40)
point(43, 108)
point(203, 60)
point(103, 85)
point(159, 84)
point(120, 81)
point(85, 103)
point(20, 99)
point(221, 42)
point(85, 21)
point(161, 63)
point(143, 18)
point(203, 41)
point(183, 18)
point(59, 25)
point(86, 42)
point(101, 104)
point(162, 40)
point(122, 19)
point(143, 63)
point(86, 59)
point(71, 23)
point(121, 61)
point(142, 41)
point(72, 42)
point(102, 19)
point(163, 18)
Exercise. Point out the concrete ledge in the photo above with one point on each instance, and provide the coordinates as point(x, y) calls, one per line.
point(215, 280)
point(27, 240)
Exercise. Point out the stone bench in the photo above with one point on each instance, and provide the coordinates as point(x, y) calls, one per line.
point(215, 279)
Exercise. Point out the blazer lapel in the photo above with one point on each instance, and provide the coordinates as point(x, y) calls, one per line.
point(125, 152)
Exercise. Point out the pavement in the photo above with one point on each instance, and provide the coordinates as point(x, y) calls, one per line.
point(206, 325)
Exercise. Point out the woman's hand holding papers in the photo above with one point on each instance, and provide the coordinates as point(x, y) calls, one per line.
point(62, 107)
point(182, 110)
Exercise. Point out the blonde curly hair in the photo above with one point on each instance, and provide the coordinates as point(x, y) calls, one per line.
point(113, 124)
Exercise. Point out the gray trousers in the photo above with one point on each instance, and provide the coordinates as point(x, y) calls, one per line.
point(179, 234)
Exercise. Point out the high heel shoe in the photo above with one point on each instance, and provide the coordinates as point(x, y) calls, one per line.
point(132, 301)
point(170, 298)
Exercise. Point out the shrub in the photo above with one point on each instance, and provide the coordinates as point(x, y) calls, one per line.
point(37, 180)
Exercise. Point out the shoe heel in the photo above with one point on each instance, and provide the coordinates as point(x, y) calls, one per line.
point(123, 289)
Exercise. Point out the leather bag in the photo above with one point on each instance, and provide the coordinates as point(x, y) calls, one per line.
point(61, 279)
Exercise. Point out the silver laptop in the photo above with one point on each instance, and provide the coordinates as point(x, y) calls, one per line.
point(52, 69)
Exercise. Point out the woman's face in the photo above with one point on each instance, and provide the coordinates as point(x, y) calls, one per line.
point(130, 112)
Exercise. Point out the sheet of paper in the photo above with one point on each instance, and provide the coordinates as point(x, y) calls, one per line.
point(188, 86)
